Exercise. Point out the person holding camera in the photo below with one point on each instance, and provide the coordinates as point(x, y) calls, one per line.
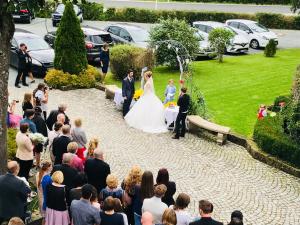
point(29, 66)
point(41, 98)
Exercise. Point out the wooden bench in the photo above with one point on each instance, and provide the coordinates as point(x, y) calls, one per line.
point(199, 122)
point(110, 91)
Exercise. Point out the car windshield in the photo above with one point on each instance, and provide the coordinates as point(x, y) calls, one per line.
point(61, 7)
point(232, 30)
point(34, 44)
point(100, 39)
point(139, 35)
point(258, 28)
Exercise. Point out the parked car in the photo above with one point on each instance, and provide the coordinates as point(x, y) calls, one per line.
point(238, 44)
point(129, 34)
point(94, 40)
point(205, 50)
point(59, 11)
point(258, 35)
point(41, 53)
point(22, 12)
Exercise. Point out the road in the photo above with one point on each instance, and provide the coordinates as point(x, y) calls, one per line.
point(217, 7)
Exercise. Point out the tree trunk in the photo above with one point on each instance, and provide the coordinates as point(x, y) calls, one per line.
point(6, 32)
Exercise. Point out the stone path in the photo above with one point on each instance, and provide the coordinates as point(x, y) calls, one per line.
point(226, 175)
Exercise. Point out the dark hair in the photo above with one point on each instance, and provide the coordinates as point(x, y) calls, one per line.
point(206, 206)
point(24, 127)
point(94, 194)
point(86, 191)
point(41, 86)
point(182, 201)
point(37, 110)
point(44, 167)
point(29, 112)
point(129, 71)
point(22, 44)
point(117, 205)
point(81, 179)
point(105, 45)
point(236, 218)
point(162, 176)
point(184, 90)
point(147, 186)
point(108, 203)
point(57, 126)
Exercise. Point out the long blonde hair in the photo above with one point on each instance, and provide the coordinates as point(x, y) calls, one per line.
point(93, 144)
point(133, 178)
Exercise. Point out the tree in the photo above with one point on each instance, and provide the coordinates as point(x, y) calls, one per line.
point(70, 51)
point(173, 29)
point(295, 5)
point(219, 38)
point(270, 50)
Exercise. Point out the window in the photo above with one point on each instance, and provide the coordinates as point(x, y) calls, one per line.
point(201, 27)
point(244, 27)
point(125, 35)
point(114, 30)
point(234, 24)
point(209, 29)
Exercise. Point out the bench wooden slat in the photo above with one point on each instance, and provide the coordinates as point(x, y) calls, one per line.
point(197, 120)
point(110, 91)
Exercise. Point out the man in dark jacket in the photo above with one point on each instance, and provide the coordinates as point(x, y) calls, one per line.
point(97, 170)
point(184, 104)
point(13, 194)
point(60, 143)
point(127, 91)
point(22, 65)
point(52, 118)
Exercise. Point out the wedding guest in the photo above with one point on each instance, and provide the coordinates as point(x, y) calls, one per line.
point(111, 189)
point(76, 162)
point(46, 181)
point(163, 178)
point(141, 192)
point(104, 59)
point(93, 144)
point(29, 66)
point(169, 217)
point(75, 193)
point(94, 199)
point(206, 209)
point(147, 218)
point(262, 112)
point(181, 204)
point(97, 170)
point(14, 119)
point(27, 102)
point(236, 218)
point(170, 91)
point(60, 144)
point(29, 114)
point(155, 205)
point(15, 221)
point(61, 118)
point(24, 154)
point(56, 132)
point(52, 118)
point(118, 209)
point(82, 211)
point(108, 215)
point(79, 136)
point(22, 66)
point(56, 211)
point(41, 98)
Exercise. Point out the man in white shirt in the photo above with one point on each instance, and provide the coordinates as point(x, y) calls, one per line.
point(154, 205)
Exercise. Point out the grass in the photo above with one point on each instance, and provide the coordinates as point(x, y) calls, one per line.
point(234, 89)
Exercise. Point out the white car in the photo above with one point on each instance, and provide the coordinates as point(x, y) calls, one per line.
point(238, 44)
point(205, 50)
point(258, 35)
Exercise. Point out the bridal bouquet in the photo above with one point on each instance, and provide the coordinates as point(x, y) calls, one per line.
point(37, 138)
point(170, 104)
point(138, 94)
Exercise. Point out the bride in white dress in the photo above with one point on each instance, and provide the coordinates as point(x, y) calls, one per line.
point(147, 114)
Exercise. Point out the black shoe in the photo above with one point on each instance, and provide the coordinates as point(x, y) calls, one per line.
point(175, 137)
point(25, 84)
point(33, 81)
point(17, 86)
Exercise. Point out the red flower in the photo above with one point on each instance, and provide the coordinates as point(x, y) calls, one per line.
point(181, 81)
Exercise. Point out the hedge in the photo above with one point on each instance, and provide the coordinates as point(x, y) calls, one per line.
point(11, 143)
point(258, 2)
point(270, 137)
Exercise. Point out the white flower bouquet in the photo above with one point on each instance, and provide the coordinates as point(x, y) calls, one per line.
point(37, 138)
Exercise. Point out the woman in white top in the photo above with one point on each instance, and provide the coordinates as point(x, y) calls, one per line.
point(181, 203)
point(41, 98)
point(56, 132)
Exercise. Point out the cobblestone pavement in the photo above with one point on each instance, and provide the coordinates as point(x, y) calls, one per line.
point(226, 175)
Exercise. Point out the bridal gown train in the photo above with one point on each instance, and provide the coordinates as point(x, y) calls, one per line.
point(147, 114)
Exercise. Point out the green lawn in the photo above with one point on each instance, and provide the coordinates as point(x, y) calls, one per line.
point(235, 89)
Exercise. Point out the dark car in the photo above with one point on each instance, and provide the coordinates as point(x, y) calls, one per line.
point(94, 40)
point(129, 34)
point(22, 12)
point(41, 53)
point(59, 11)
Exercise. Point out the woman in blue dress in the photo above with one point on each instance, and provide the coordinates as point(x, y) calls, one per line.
point(104, 59)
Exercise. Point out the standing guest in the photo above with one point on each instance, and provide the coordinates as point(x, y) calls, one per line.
point(56, 132)
point(141, 192)
point(75, 193)
point(13, 193)
point(29, 66)
point(93, 144)
point(147, 218)
point(163, 178)
point(60, 144)
point(94, 199)
point(206, 209)
point(46, 181)
point(29, 114)
point(236, 218)
point(108, 215)
point(170, 92)
point(56, 211)
point(155, 205)
point(127, 91)
point(22, 65)
point(82, 211)
point(24, 154)
point(14, 119)
point(118, 209)
point(104, 59)
point(61, 118)
point(169, 217)
point(76, 162)
point(15, 221)
point(262, 112)
point(182, 215)
point(52, 118)
point(111, 189)
point(46, 169)
point(184, 104)
point(97, 170)
point(79, 137)
point(27, 102)
point(41, 98)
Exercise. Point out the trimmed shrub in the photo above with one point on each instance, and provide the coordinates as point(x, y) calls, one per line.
point(125, 57)
point(11, 143)
point(92, 11)
point(270, 49)
point(276, 106)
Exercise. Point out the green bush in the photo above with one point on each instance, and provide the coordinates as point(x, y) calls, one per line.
point(276, 105)
point(11, 143)
point(92, 11)
point(70, 51)
point(270, 137)
point(270, 49)
point(46, 11)
point(86, 79)
point(198, 104)
point(258, 2)
point(125, 57)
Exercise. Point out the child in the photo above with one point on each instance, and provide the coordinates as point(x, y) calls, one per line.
point(170, 92)
point(262, 112)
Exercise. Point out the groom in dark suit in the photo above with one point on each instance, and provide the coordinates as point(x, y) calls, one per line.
point(127, 91)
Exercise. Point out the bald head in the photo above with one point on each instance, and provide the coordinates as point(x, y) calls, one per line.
point(147, 218)
point(61, 118)
point(67, 157)
point(13, 167)
point(98, 154)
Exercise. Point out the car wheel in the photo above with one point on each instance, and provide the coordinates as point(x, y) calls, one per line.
point(254, 44)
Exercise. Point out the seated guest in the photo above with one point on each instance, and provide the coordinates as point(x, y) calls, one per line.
point(163, 178)
point(59, 146)
point(13, 194)
point(75, 193)
point(206, 209)
point(118, 209)
point(182, 215)
point(82, 211)
point(52, 118)
point(111, 189)
point(236, 218)
point(108, 215)
point(169, 217)
point(29, 114)
point(56, 132)
point(15, 221)
point(79, 137)
point(154, 205)
point(170, 91)
point(147, 218)
point(56, 211)
point(76, 162)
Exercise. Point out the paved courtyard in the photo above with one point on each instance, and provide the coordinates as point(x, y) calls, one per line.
point(226, 175)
